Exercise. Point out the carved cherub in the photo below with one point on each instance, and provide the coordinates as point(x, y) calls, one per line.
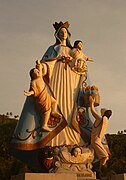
point(45, 103)
point(76, 160)
point(76, 155)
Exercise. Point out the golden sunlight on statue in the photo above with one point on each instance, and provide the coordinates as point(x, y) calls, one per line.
point(56, 123)
point(74, 160)
point(45, 103)
point(98, 131)
point(79, 64)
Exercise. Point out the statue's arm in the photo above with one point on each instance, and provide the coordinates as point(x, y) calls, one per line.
point(50, 54)
point(93, 111)
point(31, 90)
point(88, 58)
point(28, 93)
point(47, 54)
point(40, 67)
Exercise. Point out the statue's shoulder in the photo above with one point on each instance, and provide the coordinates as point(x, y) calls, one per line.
point(54, 47)
point(50, 48)
point(52, 52)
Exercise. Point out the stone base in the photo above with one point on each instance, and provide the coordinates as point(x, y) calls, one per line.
point(44, 176)
point(116, 177)
point(86, 176)
point(50, 176)
point(62, 176)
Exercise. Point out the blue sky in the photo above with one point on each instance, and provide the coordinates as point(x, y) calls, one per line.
point(26, 31)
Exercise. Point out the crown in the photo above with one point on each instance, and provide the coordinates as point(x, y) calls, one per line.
point(59, 25)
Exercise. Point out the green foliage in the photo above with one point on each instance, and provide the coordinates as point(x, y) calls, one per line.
point(117, 145)
point(8, 165)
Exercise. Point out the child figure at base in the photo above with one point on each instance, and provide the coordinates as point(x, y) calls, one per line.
point(45, 103)
point(98, 131)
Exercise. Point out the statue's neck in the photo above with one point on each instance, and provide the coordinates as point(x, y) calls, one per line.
point(63, 42)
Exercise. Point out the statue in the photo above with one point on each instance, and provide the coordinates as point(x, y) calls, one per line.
point(79, 64)
point(45, 103)
point(63, 120)
point(98, 130)
point(64, 83)
point(73, 160)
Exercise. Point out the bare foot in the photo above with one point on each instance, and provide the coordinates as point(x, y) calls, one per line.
point(46, 129)
point(103, 161)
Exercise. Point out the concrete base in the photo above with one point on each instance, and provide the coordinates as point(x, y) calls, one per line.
point(44, 176)
point(116, 177)
point(62, 176)
point(49, 176)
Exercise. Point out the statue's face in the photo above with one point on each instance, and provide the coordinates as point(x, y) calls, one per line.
point(36, 73)
point(80, 45)
point(63, 34)
point(77, 152)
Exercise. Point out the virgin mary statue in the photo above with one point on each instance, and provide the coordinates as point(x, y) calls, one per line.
point(66, 86)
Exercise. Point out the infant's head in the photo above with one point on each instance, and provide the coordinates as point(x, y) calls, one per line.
point(78, 44)
point(34, 73)
point(76, 151)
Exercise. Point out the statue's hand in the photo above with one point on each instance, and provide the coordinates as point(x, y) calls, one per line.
point(38, 62)
point(91, 100)
point(90, 59)
point(28, 93)
point(63, 57)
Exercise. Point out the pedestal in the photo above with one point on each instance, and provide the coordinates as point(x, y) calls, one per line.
point(116, 177)
point(44, 176)
point(50, 176)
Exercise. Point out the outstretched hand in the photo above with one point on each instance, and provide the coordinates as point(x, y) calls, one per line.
point(28, 93)
point(90, 59)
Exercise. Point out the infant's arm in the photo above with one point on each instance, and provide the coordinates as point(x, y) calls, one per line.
point(42, 67)
point(31, 90)
point(39, 66)
point(89, 59)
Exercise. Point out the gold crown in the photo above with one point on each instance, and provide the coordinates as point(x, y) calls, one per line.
point(59, 25)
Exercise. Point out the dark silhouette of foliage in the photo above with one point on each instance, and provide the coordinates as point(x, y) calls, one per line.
point(117, 145)
point(8, 165)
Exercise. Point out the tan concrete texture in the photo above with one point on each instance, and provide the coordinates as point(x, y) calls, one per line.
point(44, 176)
point(116, 177)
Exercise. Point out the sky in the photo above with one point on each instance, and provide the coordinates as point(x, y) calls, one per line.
point(26, 32)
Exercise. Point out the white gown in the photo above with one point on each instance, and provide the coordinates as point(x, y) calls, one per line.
point(65, 86)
